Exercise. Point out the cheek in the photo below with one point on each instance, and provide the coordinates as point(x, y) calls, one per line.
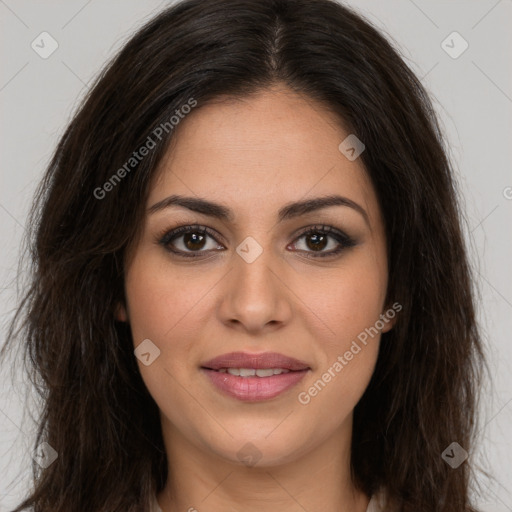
point(169, 307)
point(166, 307)
point(347, 301)
point(347, 358)
point(161, 302)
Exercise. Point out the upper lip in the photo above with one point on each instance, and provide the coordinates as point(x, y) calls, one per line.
point(264, 360)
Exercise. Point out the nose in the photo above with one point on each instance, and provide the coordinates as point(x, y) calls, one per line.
point(256, 297)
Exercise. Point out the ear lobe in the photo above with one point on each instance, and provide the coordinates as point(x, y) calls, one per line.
point(390, 316)
point(389, 323)
point(121, 315)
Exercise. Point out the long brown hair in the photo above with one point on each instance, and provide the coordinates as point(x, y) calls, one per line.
point(98, 415)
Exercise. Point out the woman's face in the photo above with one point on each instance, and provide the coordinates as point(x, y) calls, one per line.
point(255, 284)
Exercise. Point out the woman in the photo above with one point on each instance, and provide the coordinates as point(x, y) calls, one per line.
point(250, 285)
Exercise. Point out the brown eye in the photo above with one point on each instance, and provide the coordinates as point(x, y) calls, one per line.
point(188, 240)
point(193, 241)
point(317, 241)
point(318, 238)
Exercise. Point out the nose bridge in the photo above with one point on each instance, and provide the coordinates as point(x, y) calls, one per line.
point(255, 296)
point(253, 267)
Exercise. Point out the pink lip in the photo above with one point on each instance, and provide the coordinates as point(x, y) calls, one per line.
point(253, 389)
point(256, 361)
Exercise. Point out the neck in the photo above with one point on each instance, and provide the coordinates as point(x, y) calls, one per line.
point(319, 479)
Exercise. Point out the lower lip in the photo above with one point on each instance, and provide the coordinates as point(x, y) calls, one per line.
point(254, 389)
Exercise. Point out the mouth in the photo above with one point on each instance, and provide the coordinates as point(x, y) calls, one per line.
point(251, 372)
point(254, 377)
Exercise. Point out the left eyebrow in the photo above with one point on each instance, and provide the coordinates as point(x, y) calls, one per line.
point(289, 211)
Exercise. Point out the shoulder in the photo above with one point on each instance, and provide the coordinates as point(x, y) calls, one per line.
point(378, 502)
point(155, 507)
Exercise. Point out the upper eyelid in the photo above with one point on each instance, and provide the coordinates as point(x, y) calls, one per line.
point(331, 231)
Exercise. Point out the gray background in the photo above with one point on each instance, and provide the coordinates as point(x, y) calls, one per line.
point(473, 97)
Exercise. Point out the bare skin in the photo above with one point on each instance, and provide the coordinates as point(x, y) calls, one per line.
point(255, 156)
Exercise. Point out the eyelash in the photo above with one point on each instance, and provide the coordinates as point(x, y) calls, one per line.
point(166, 237)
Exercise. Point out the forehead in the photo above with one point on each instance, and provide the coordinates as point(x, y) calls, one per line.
point(266, 149)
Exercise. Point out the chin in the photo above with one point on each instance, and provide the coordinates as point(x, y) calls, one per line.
point(260, 449)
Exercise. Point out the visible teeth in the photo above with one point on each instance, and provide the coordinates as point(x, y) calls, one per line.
point(251, 372)
point(264, 373)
